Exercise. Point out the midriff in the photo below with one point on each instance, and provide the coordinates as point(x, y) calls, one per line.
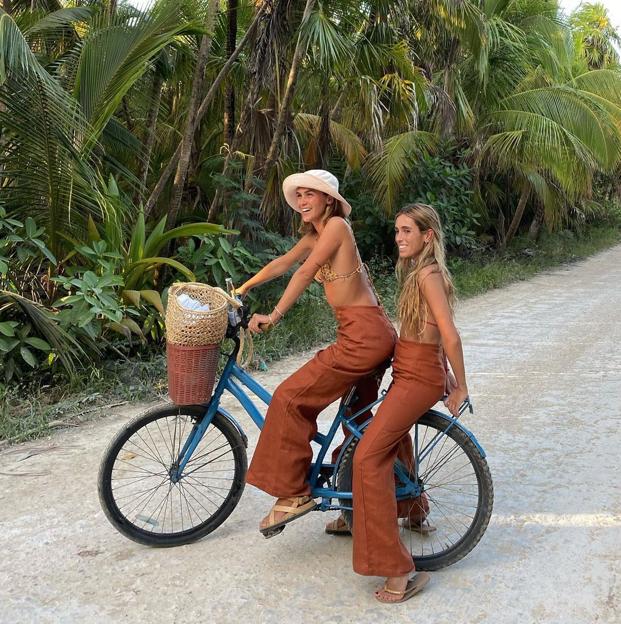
point(354, 291)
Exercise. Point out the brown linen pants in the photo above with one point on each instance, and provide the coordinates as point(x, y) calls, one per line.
point(282, 458)
point(418, 383)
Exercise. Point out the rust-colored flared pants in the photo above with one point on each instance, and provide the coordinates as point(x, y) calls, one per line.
point(418, 383)
point(281, 460)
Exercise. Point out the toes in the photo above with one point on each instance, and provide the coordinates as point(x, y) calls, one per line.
point(383, 596)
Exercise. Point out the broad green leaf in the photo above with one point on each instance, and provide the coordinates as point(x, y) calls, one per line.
point(38, 343)
point(154, 298)
point(48, 254)
point(28, 356)
point(190, 229)
point(31, 227)
point(151, 244)
point(137, 269)
point(136, 247)
point(132, 326)
point(132, 297)
point(8, 328)
point(8, 344)
point(121, 329)
point(93, 232)
point(226, 246)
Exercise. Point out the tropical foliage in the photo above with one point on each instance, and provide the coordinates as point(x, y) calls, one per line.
point(130, 139)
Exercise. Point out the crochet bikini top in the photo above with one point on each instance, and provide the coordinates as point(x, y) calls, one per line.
point(327, 274)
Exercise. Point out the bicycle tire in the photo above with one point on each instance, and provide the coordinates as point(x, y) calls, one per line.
point(142, 448)
point(458, 549)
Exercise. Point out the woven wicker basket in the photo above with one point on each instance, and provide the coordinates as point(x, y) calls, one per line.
point(191, 372)
point(192, 342)
point(193, 328)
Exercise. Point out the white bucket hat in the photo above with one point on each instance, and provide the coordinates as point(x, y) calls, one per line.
point(317, 179)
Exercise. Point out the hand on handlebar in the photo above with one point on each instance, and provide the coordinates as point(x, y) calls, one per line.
point(454, 400)
point(259, 323)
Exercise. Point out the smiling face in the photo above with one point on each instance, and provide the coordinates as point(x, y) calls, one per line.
point(312, 204)
point(409, 238)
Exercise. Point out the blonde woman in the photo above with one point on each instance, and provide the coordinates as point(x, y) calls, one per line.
point(365, 339)
point(428, 333)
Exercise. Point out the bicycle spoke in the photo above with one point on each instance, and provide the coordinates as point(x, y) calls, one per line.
point(142, 485)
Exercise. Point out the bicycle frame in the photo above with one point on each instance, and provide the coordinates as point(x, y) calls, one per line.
point(234, 379)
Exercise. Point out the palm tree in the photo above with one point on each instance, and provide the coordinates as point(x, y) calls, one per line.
point(52, 124)
point(595, 37)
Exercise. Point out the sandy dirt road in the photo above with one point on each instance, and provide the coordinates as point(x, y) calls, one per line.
point(545, 374)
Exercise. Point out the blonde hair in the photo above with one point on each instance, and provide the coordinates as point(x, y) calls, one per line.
point(412, 310)
point(335, 209)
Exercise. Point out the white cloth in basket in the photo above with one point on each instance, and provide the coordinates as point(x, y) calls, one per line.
point(187, 302)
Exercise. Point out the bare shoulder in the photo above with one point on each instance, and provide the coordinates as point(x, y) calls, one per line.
point(431, 271)
point(337, 226)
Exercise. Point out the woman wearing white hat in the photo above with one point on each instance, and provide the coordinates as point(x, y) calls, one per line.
point(326, 252)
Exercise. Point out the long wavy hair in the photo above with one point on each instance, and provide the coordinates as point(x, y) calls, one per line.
point(412, 309)
point(334, 209)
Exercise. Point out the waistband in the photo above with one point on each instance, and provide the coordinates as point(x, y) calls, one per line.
point(411, 346)
point(362, 311)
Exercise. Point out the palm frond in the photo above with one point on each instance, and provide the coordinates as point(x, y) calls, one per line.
point(347, 142)
point(388, 168)
point(70, 353)
point(115, 56)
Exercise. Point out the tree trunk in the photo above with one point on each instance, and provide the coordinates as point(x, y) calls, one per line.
point(260, 51)
point(229, 114)
point(274, 150)
point(190, 126)
point(323, 142)
point(150, 133)
point(517, 217)
point(537, 222)
point(165, 175)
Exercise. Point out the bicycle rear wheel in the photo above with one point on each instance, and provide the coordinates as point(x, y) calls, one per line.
point(136, 490)
point(457, 484)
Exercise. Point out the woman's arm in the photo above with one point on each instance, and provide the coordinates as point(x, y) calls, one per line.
point(326, 246)
point(432, 286)
point(279, 266)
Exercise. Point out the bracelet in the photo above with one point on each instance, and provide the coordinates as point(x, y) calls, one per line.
point(279, 312)
point(269, 316)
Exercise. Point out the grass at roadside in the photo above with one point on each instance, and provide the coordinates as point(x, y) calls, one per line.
point(524, 259)
point(28, 411)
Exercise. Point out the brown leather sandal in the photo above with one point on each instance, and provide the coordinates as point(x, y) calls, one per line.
point(424, 527)
point(415, 584)
point(338, 526)
point(300, 505)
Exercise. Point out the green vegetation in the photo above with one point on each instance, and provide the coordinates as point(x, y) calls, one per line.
point(305, 327)
point(139, 148)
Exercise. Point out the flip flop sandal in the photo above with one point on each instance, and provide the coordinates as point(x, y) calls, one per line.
point(415, 584)
point(301, 505)
point(423, 527)
point(337, 527)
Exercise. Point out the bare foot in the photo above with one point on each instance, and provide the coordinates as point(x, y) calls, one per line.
point(402, 588)
point(396, 584)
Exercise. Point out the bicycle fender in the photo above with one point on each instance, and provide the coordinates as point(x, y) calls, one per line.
point(449, 420)
point(456, 423)
point(234, 422)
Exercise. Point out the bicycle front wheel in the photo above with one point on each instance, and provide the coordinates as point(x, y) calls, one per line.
point(143, 501)
point(457, 498)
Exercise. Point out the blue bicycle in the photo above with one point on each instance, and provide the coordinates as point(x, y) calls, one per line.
point(173, 474)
